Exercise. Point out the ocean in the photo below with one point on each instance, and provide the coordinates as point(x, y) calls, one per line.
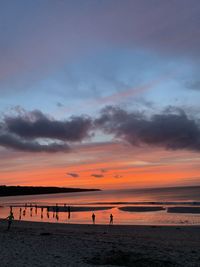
point(153, 206)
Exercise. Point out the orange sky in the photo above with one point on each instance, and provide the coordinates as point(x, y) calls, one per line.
point(119, 165)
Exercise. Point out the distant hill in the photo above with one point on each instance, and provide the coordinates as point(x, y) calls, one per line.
point(37, 190)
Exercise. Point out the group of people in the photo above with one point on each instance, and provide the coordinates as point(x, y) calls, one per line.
point(55, 210)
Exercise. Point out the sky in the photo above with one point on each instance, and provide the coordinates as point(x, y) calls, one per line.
point(100, 93)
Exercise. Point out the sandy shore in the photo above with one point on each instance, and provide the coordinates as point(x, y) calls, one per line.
point(45, 244)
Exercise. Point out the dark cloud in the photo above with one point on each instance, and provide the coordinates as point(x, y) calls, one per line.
point(97, 175)
point(16, 143)
point(35, 124)
point(72, 174)
point(171, 129)
point(36, 132)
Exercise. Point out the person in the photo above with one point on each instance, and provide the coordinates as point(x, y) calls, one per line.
point(69, 212)
point(24, 212)
point(111, 218)
point(41, 212)
point(48, 212)
point(35, 208)
point(10, 218)
point(31, 211)
point(20, 213)
point(93, 218)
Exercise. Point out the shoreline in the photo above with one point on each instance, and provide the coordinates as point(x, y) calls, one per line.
point(50, 244)
point(21, 223)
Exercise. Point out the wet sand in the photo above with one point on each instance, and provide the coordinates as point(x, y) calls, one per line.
point(194, 210)
point(141, 208)
point(46, 244)
point(78, 208)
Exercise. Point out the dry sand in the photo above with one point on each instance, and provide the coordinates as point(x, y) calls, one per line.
point(46, 244)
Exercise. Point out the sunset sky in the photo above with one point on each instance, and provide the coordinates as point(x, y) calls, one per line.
point(100, 93)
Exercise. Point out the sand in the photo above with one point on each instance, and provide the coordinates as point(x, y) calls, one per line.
point(47, 244)
point(193, 210)
point(78, 208)
point(141, 208)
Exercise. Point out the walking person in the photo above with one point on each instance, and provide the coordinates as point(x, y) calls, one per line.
point(10, 219)
point(93, 218)
point(111, 219)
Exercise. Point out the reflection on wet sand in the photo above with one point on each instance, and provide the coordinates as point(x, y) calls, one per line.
point(123, 214)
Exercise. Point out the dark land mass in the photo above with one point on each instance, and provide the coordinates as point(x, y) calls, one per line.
point(37, 190)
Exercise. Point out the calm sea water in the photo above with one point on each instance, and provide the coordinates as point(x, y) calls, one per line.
point(113, 199)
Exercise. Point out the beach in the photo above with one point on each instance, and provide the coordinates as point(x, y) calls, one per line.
point(49, 244)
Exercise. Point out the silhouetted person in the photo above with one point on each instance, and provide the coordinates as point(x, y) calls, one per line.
point(20, 213)
point(35, 208)
point(31, 211)
point(10, 218)
point(111, 218)
point(42, 212)
point(69, 212)
point(57, 217)
point(10, 208)
point(24, 212)
point(48, 212)
point(93, 218)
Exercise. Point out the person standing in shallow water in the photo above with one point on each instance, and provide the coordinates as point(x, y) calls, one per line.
point(111, 218)
point(20, 213)
point(93, 218)
point(10, 219)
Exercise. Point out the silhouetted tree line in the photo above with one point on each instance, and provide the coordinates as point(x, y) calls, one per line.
point(36, 190)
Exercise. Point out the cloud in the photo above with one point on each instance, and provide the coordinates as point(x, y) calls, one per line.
point(35, 124)
point(171, 129)
point(36, 132)
point(73, 174)
point(97, 175)
point(16, 143)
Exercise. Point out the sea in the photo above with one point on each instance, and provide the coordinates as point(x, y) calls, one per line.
point(151, 206)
